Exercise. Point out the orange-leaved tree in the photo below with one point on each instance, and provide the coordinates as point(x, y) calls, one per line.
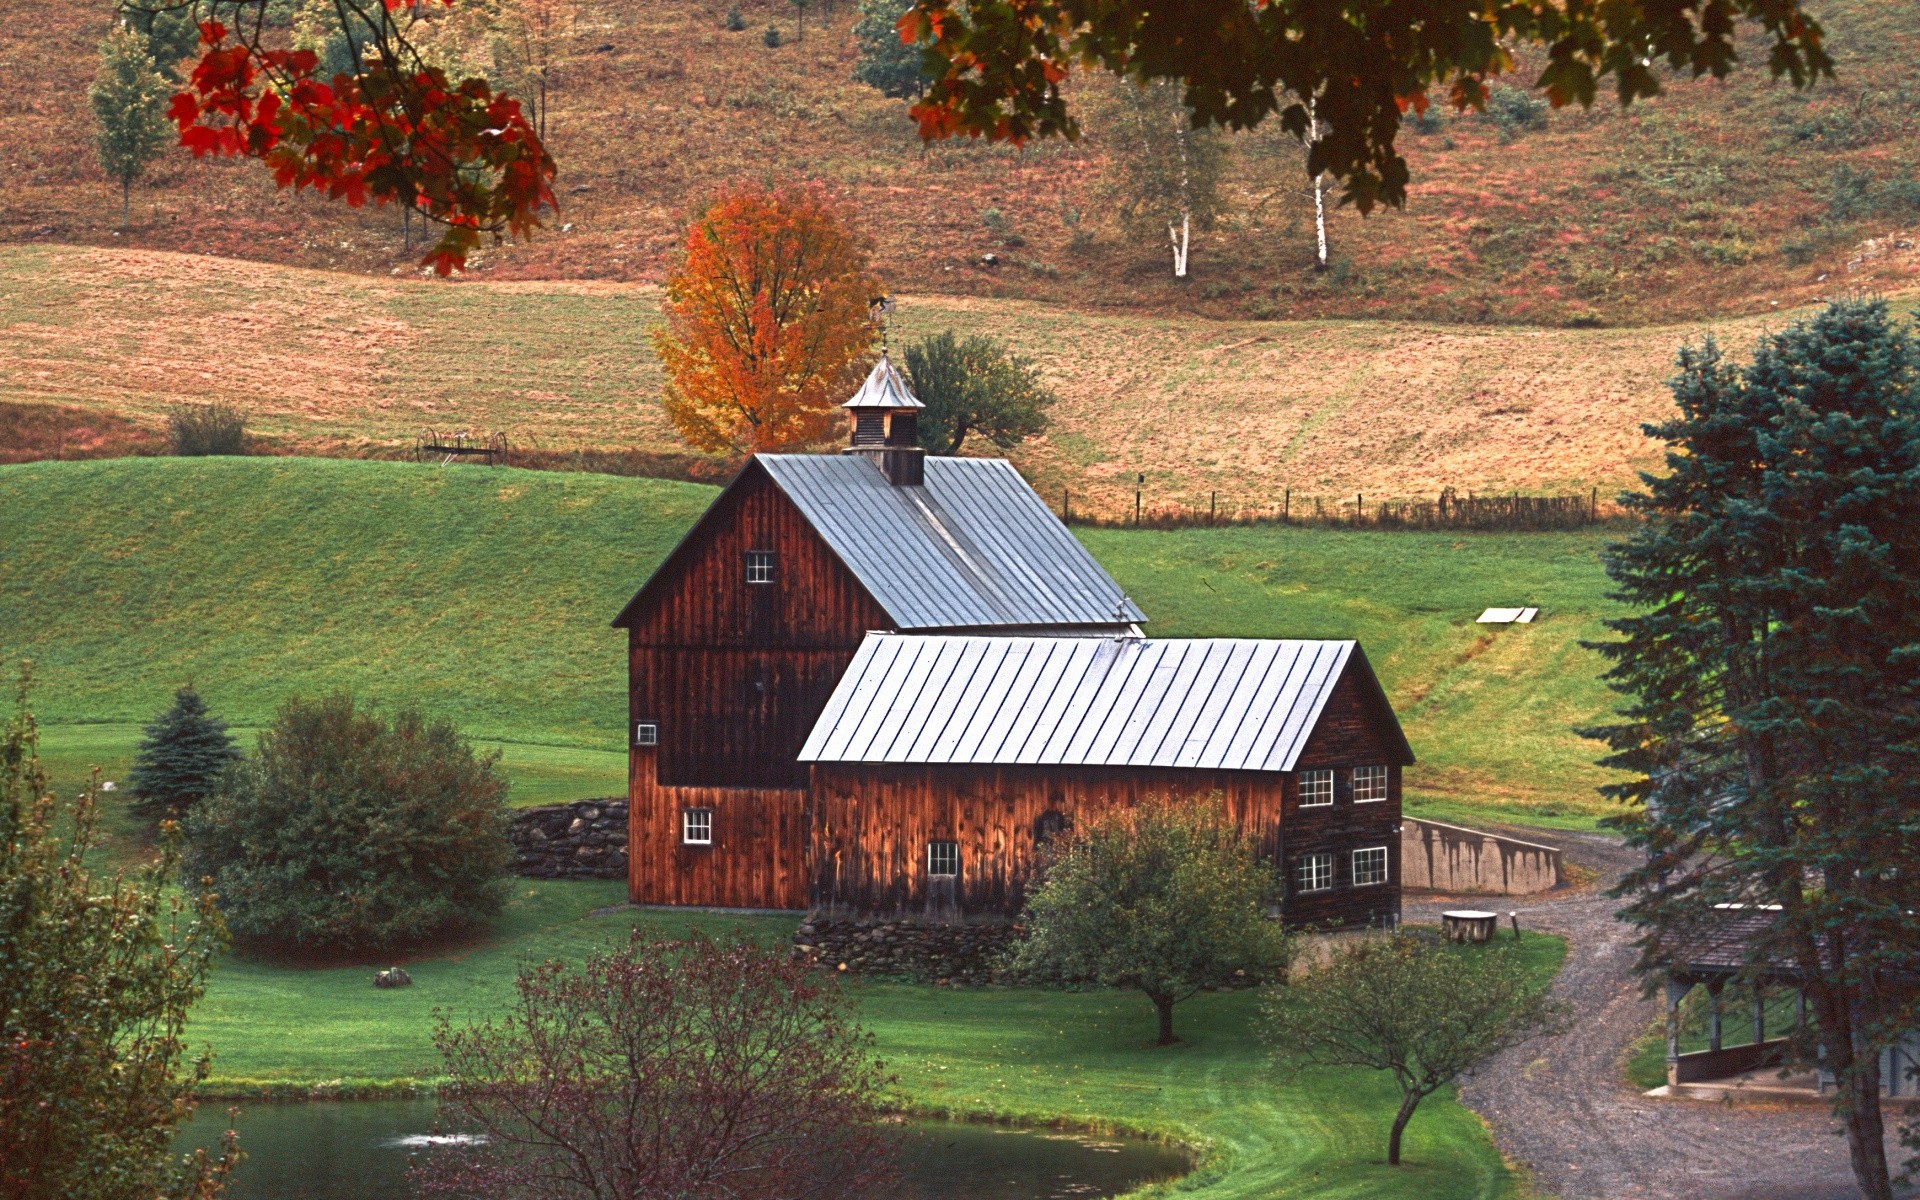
point(766, 319)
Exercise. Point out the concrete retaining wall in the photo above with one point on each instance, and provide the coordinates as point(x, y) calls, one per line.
point(1450, 858)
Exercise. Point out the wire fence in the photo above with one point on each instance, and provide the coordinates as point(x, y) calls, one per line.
point(1448, 510)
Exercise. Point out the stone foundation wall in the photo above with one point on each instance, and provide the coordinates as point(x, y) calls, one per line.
point(586, 839)
point(1450, 858)
point(952, 954)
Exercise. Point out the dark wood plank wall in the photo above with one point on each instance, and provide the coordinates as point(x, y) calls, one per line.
point(1354, 730)
point(872, 823)
point(758, 858)
point(736, 673)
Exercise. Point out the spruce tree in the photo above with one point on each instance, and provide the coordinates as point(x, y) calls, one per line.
point(130, 101)
point(1773, 671)
point(180, 757)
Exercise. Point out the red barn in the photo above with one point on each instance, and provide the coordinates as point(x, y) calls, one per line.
point(875, 681)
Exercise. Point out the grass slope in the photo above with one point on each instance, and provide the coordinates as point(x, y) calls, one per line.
point(342, 364)
point(1717, 197)
point(1023, 1054)
point(483, 595)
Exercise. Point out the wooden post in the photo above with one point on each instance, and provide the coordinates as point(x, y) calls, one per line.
point(1759, 1015)
point(1140, 482)
point(1066, 506)
point(1213, 505)
point(1286, 512)
point(1593, 512)
point(1713, 1015)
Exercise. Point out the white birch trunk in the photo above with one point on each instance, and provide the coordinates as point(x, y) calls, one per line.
point(1319, 193)
point(1178, 235)
point(1180, 240)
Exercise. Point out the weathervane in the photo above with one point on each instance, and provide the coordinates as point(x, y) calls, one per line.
point(878, 310)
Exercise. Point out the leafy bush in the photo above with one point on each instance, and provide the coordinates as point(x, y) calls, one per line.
point(180, 758)
point(1513, 110)
point(345, 834)
point(196, 430)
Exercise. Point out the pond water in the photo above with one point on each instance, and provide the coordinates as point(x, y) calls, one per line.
point(358, 1150)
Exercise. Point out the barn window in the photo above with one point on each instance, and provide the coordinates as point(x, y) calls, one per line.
point(646, 733)
point(1313, 873)
point(1370, 865)
point(1316, 789)
point(1369, 784)
point(696, 826)
point(759, 566)
point(943, 858)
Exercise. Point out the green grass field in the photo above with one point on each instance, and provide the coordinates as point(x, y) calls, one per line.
point(1020, 1054)
point(484, 596)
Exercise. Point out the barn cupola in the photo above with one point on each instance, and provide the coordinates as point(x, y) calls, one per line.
point(885, 425)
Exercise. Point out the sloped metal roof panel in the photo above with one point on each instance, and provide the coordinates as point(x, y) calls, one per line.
point(972, 548)
point(1204, 703)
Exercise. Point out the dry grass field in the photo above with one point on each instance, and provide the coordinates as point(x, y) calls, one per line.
point(1716, 199)
point(337, 363)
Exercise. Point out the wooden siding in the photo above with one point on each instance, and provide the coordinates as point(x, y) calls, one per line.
point(1352, 732)
point(758, 855)
point(735, 673)
point(872, 824)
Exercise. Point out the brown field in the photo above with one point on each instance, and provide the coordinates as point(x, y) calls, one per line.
point(1716, 199)
point(338, 363)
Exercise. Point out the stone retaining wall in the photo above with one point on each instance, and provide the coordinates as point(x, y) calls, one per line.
point(959, 953)
point(1450, 858)
point(585, 839)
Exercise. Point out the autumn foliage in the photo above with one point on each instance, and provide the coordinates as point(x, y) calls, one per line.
point(766, 320)
point(397, 132)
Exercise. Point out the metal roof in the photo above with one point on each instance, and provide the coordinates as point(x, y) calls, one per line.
point(1230, 704)
point(973, 547)
point(884, 388)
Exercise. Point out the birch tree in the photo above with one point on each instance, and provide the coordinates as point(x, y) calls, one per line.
point(1164, 173)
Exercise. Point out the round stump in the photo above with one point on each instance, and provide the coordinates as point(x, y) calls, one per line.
point(1468, 925)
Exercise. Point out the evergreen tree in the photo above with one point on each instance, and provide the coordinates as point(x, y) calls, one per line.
point(1773, 671)
point(887, 63)
point(130, 102)
point(97, 973)
point(171, 35)
point(977, 387)
point(180, 757)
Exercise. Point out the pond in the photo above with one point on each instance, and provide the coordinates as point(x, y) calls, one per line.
point(358, 1150)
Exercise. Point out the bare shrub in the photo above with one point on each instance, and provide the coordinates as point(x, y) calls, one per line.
point(195, 430)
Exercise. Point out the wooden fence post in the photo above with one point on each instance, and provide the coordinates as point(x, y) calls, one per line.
point(1213, 505)
point(1139, 483)
point(1066, 506)
point(1593, 514)
point(1286, 513)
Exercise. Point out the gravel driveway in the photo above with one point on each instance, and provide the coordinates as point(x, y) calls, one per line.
point(1563, 1109)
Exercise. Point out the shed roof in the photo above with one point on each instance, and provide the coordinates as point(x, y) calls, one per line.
point(1206, 703)
point(973, 547)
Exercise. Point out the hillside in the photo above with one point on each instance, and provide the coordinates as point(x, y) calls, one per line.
point(330, 362)
point(484, 595)
point(1718, 198)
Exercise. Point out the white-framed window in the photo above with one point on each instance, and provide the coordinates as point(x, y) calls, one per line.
point(1369, 866)
point(696, 826)
point(1369, 784)
point(759, 566)
point(1316, 789)
point(1313, 873)
point(943, 858)
point(646, 733)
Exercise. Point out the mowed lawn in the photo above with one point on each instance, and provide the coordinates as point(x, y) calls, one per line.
point(483, 595)
point(1020, 1054)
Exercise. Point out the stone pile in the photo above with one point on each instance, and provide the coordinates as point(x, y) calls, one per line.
point(586, 839)
point(938, 954)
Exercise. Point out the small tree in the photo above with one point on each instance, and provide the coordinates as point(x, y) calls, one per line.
point(531, 41)
point(180, 757)
point(975, 386)
point(886, 62)
point(1425, 1012)
point(96, 977)
point(766, 319)
point(1167, 897)
point(695, 1068)
point(1164, 173)
point(347, 834)
point(130, 102)
point(799, 20)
